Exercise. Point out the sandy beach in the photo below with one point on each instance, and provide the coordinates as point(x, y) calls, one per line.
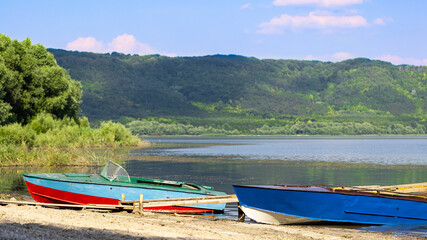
point(35, 222)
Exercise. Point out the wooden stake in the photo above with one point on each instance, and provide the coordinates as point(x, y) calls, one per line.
point(141, 206)
point(123, 197)
point(240, 214)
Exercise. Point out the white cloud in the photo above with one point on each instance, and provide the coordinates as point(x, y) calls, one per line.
point(340, 56)
point(379, 21)
point(125, 43)
point(310, 58)
point(314, 20)
point(245, 6)
point(399, 60)
point(321, 3)
point(336, 57)
point(89, 44)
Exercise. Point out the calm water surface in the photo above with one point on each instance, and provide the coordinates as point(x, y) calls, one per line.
point(223, 161)
point(377, 150)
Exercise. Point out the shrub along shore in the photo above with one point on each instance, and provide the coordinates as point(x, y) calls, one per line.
point(161, 126)
point(49, 141)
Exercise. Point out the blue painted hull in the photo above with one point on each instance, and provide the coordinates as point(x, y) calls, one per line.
point(325, 204)
point(90, 193)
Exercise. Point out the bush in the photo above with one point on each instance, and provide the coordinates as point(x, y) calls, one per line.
point(43, 122)
point(50, 141)
point(15, 134)
point(67, 132)
point(116, 133)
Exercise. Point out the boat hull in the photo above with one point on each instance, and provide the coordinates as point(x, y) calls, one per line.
point(268, 217)
point(54, 191)
point(285, 205)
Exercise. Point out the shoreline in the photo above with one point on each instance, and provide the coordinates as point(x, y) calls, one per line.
point(35, 222)
point(296, 135)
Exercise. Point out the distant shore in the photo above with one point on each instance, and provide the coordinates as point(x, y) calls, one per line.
point(296, 135)
point(31, 222)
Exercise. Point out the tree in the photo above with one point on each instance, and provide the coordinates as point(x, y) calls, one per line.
point(32, 82)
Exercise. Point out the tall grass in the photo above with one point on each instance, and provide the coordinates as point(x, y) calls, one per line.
point(55, 142)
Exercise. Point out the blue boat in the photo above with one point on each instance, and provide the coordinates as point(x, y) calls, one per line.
point(287, 204)
point(108, 187)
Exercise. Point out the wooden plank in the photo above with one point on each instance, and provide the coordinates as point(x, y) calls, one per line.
point(89, 206)
point(190, 202)
point(218, 197)
point(129, 205)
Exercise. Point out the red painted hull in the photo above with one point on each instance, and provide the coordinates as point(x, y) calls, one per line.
point(50, 195)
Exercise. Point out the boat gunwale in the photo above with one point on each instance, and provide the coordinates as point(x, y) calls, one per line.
point(133, 185)
point(329, 190)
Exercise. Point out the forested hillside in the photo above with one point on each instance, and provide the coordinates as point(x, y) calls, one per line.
point(232, 90)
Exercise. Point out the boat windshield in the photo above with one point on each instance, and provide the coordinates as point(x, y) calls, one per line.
point(113, 171)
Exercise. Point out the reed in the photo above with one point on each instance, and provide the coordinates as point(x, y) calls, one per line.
point(11, 155)
point(47, 141)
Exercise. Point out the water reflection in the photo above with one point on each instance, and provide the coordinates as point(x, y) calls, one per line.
point(222, 173)
point(11, 180)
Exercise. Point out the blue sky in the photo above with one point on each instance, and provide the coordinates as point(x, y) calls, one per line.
point(327, 30)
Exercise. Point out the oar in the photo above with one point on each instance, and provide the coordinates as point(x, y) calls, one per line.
point(368, 189)
point(405, 188)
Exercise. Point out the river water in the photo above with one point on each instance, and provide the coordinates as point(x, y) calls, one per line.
point(223, 161)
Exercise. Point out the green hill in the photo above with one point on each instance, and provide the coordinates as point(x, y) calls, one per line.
point(236, 87)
